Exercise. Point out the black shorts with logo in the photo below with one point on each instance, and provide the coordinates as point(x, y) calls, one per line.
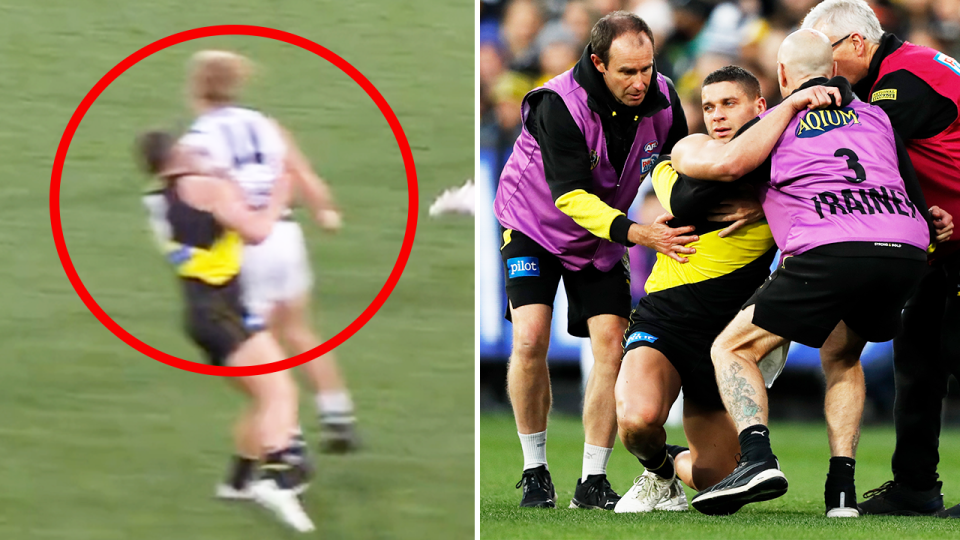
point(688, 351)
point(809, 294)
point(216, 319)
point(532, 275)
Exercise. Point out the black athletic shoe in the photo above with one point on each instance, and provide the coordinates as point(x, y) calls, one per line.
point(841, 501)
point(952, 512)
point(895, 499)
point(538, 491)
point(594, 493)
point(338, 437)
point(750, 482)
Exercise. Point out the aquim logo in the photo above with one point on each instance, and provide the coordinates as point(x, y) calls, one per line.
point(523, 267)
point(818, 122)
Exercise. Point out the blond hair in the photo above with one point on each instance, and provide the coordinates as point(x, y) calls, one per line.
point(216, 77)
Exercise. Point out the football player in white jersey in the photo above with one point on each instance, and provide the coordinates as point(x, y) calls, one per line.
point(254, 150)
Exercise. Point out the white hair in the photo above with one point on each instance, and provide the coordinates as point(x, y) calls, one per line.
point(841, 17)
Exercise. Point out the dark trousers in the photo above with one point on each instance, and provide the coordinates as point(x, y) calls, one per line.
point(925, 354)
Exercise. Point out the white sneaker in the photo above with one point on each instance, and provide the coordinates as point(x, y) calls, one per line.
point(647, 492)
point(283, 503)
point(230, 493)
point(676, 499)
point(843, 513)
point(844, 508)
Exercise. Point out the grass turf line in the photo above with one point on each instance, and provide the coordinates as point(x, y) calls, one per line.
point(801, 448)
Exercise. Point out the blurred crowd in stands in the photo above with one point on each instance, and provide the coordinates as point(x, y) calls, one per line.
point(524, 43)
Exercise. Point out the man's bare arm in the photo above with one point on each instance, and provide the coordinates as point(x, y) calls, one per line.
point(701, 157)
point(314, 192)
point(226, 202)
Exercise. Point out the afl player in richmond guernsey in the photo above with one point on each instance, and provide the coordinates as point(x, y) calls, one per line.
point(202, 223)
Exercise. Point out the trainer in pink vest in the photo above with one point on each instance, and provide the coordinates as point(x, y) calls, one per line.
point(835, 178)
point(523, 200)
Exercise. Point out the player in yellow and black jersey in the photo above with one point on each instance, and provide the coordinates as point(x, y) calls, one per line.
point(667, 346)
point(205, 253)
point(202, 223)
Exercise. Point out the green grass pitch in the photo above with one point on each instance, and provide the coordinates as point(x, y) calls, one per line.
point(801, 448)
point(101, 442)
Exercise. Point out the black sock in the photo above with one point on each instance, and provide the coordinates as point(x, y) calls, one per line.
point(241, 471)
point(755, 443)
point(277, 468)
point(840, 489)
point(297, 448)
point(841, 471)
point(675, 450)
point(659, 464)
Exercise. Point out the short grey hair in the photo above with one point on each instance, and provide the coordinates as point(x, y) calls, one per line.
point(838, 18)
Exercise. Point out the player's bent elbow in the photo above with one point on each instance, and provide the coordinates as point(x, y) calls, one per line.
point(729, 169)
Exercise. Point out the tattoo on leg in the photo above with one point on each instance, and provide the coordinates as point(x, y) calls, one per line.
point(736, 393)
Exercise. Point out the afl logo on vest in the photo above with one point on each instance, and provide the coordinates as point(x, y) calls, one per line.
point(816, 123)
point(650, 147)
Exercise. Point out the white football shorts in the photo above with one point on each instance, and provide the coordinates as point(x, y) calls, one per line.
point(276, 269)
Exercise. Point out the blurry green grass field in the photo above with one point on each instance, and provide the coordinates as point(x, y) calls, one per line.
point(100, 442)
point(801, 448)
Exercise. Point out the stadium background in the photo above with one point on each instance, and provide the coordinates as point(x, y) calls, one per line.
point(101, 442)
point(523, 43)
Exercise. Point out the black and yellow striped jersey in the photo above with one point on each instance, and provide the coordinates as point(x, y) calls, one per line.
point(192, 240)
point(705, 293)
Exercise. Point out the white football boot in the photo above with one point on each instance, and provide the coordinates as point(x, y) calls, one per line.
point(230, 493)
point(647, 492)
point(282, 502)
point(676, 499)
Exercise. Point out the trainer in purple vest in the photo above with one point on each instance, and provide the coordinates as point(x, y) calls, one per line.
point(835, 178)
point(524, 203)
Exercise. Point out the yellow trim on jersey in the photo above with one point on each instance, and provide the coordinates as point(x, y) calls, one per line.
point(215, 266)
point(663, 178)
point(715, 257)
point(506, 237)
point(588, 211)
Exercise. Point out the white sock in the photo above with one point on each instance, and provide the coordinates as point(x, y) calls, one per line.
point(335, 406)
point(534, 448)
point(595, 460)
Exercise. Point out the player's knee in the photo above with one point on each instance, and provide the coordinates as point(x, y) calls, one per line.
point(723, 351)
point(719, 351)
point(638, 418)
point(844, 355)
point(608, 339)
point(838, 360)
point(530, 345)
